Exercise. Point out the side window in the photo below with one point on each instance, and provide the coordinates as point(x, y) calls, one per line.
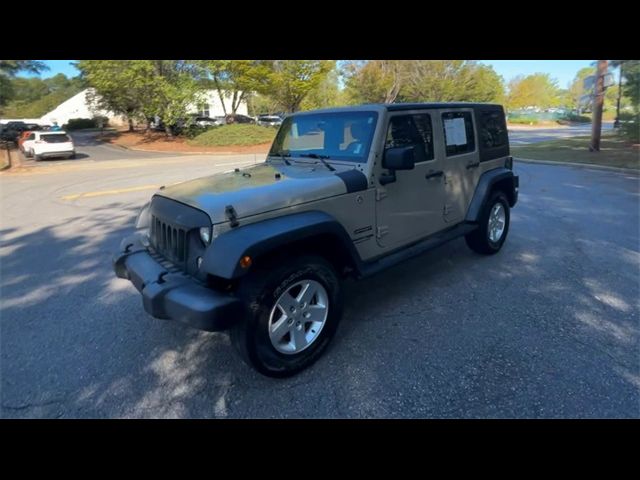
point(458, 133)
point(493, 130)
point(411, 131)
point(31, 137)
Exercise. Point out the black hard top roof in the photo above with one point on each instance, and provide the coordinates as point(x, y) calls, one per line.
point(412, 106)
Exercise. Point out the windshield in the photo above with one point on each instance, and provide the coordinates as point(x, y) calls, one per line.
point(335, 136)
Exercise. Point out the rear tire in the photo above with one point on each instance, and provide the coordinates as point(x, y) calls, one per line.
point(493, 227)
point(257, 337)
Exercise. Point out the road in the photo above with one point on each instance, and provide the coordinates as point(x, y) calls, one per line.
point(549, 327)
point(89, 150)
point(525, 135)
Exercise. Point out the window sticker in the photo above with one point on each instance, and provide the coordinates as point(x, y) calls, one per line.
point(455, 131)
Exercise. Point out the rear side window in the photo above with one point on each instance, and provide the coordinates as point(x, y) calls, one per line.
point(412, 131)
point(493, 130)
point(55, 138)
point(458, 133)
point(493, 136)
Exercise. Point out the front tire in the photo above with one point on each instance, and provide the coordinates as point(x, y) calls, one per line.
point(493, 227)
point(293, 310)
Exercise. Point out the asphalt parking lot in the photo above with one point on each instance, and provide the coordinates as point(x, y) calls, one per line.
point(549, 327)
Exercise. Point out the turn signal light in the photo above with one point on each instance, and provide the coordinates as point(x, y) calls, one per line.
point(245, 262)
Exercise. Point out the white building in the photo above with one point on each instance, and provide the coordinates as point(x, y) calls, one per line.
point(80, 106)
point(211, 106)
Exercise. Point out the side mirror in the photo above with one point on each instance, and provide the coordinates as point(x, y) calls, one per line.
point(399, 158)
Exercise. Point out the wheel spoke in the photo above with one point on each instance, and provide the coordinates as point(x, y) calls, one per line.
point(280, 328)
point(316, 313)
point(306, 293)
point(298, 337)
point(287, 303)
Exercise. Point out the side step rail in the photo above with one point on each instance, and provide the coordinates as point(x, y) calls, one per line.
point(429, 243)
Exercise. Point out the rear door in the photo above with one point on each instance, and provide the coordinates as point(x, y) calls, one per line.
point(56, 142)
point(411, 207)
point(461, 161)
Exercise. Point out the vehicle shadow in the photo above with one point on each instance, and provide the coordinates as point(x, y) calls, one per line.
point(542, 329)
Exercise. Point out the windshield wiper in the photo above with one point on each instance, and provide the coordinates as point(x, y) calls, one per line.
point(282, 156)
point(321, 158)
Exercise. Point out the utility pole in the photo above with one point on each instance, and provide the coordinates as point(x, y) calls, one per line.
point(598, 103)
point(616, 124)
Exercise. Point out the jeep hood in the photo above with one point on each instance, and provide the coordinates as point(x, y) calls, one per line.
point(258, 189)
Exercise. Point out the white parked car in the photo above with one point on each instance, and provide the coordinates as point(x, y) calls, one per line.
point(48, 144)
point(269, 120)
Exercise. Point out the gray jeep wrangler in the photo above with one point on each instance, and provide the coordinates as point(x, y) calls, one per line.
point(343, 192)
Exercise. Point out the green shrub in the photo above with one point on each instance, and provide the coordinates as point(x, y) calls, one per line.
point(192, 131)
point(81, 123)
point(235, 134)
point(523, 120)
point(630, 127)
point(574, 118)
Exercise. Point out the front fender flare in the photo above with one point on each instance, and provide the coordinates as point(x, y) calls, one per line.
point(222, 258)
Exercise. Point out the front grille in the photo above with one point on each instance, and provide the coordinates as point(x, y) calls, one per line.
point(169, 241)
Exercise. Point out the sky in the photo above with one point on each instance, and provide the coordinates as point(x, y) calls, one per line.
point(562, 70)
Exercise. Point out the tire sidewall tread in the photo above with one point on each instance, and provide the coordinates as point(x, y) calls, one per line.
point(260, 291)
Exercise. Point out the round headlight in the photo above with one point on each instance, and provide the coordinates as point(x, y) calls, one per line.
point(144, 218)
point(205, 235)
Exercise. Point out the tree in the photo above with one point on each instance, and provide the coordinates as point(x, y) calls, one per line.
point(143, 89)
point(33, 97)
point(8, 69)
point(375, 81)
point(29, 89)
point(451, 81)
point(538, 90)
point(235, 79)
point(326, 94)
point(175, 88)
point(290, 81)
point(631, 77)
point(385, 81)
point(124, 87)
point(12, 67)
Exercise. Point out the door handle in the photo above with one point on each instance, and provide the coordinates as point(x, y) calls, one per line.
point(473, 165)
point(431, 175)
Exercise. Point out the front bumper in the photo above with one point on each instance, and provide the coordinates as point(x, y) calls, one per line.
point(174, 296)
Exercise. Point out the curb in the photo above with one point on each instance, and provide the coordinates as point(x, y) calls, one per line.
point(584, 165)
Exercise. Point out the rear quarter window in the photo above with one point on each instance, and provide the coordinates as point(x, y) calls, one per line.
point(492, 133)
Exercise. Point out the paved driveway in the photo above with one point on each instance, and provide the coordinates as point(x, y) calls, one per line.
point(524, 135)
point(549, 327)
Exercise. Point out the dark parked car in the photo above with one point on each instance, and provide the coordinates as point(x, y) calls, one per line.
point(12, 130)
point(237, 118)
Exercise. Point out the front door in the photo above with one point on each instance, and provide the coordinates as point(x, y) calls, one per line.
point(411, 207)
